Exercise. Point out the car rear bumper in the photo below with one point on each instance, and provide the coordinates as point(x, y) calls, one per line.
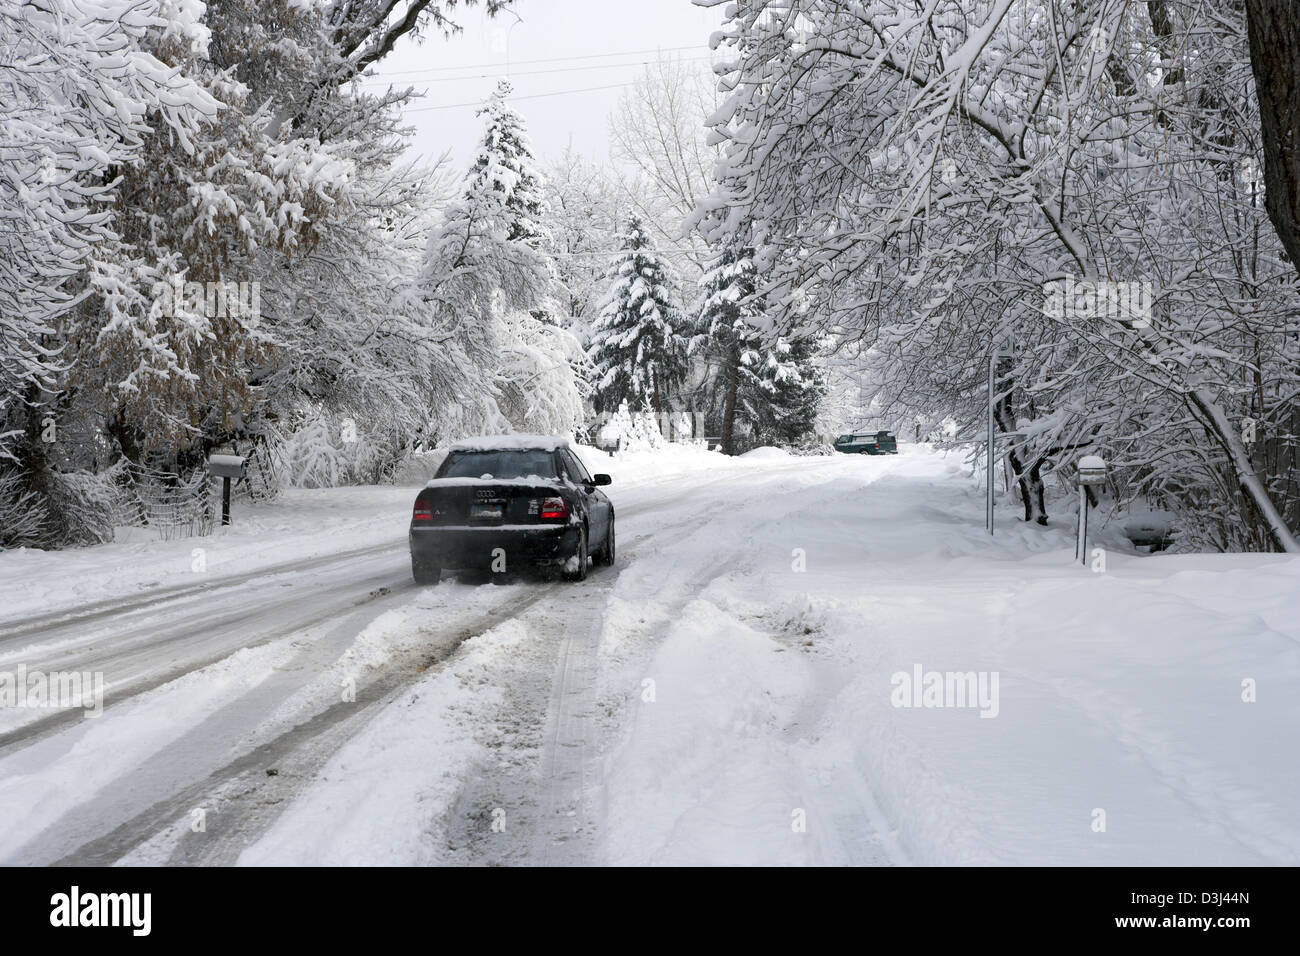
point(477, 547)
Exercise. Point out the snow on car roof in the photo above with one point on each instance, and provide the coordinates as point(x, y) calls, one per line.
point(530, 481)
point(510, 442)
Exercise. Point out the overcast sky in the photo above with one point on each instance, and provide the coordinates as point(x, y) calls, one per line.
point(553, 46)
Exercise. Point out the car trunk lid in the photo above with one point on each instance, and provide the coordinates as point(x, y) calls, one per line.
point(483, 502)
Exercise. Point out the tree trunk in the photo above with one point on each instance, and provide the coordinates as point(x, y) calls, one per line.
point(729, 406)
point(1031, 485)
point(1274, 30)
point(1252, 489)
point(1005, 422)
point(1035, 504)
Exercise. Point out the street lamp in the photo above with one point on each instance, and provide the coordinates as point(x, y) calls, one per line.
point(518, 20)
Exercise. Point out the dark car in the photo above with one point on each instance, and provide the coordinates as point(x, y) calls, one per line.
point(1150, 529)
point(873, 443)
point(508, 502)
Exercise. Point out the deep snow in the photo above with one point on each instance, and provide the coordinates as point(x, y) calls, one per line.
point(733, 691)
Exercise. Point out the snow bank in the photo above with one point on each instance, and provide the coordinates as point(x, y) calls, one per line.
point(652, 466)
point(765, 452)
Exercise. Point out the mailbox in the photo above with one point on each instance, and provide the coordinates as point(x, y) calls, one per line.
point(1092, 470)
point(226, 466)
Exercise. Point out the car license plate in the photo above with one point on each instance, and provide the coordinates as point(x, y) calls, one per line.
point(488, 512)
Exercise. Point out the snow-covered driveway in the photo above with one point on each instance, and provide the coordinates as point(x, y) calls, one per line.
point(736, 689)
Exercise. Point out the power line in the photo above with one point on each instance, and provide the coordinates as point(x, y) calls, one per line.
point(511, 99)
point(553, 59)
point(379, 81)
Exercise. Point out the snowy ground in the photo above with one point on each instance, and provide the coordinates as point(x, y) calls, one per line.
point(729, 692)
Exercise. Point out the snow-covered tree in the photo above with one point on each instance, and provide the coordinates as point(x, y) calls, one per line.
point(159, 156)
point(488, 282)
point(767, 389)
point(785, 408)
point(926, 180)
point(582, 204)
point(506, 166)
point(728, 337)
point(658, 131)
point(81, 88)
point(638, 342)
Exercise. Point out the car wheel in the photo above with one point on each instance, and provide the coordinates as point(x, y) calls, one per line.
point(583, 558)
point(607, 552)
point(424, 572)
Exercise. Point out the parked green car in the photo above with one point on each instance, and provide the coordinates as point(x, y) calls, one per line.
point(876, 443)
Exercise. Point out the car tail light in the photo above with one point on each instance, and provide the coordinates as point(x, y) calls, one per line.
point(423, 512)
point(554, 508)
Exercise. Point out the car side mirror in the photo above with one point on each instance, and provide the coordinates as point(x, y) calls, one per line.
point(601, 479)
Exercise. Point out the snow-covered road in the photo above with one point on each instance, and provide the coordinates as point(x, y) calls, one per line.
point(729, 692)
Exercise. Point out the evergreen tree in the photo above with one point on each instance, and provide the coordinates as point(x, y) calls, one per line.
point(638, 346)
point(792, 387)
point(771, 392)
point(505, 164)
point(726, 335)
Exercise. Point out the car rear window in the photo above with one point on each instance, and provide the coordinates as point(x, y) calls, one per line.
point(522, 463)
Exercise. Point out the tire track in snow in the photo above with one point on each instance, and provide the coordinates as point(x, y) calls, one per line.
point(554, 809)
point(66, 618)
point(250, 799)
point(232, 630)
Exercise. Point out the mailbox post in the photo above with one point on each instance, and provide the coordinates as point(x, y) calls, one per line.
point(1092, 471)
point(225, 467)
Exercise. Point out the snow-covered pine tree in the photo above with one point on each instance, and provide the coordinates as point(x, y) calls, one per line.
point(638, 345)
point(773, 390)
point(793, 387)
point(505, 164)
point(727, 337)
